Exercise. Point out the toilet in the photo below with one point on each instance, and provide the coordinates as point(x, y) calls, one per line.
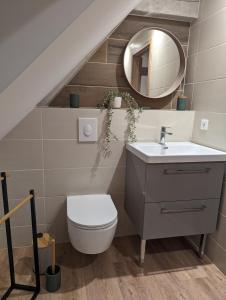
point(92, 221)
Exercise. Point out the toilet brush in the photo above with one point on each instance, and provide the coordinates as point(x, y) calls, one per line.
point(53, 273)
point(53, 242)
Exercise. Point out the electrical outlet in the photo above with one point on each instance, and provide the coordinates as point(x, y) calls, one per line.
point(204, 124)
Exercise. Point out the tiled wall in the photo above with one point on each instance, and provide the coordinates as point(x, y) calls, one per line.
point(43, 153)
point(105, 71)
point(206, 85)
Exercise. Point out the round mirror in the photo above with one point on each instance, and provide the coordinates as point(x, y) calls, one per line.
point(154, 63)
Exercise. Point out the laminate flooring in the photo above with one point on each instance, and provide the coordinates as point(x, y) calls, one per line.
point(171, 271)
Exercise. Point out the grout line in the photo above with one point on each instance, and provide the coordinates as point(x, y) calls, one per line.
point(118, 39)
point(186, 64)
point(102, 63)
point(43, 165)
point(66, 168)
point(218, 244)
point(207, 80)
point(20, 139)
point(207, 49)
point(96, 86)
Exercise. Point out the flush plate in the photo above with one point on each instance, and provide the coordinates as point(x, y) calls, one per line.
point(87, 129)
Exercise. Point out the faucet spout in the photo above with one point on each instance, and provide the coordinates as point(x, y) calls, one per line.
point(163, 134)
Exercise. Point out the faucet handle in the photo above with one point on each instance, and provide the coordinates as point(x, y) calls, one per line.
point(163, 128)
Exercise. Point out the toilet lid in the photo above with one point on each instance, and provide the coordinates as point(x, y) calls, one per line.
point(91, 210)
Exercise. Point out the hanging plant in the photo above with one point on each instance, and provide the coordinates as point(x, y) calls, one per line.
point(131, 107)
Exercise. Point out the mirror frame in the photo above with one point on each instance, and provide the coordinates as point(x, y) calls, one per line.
point(182, 69)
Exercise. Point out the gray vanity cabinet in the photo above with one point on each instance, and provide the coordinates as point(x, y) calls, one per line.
point(174, 199)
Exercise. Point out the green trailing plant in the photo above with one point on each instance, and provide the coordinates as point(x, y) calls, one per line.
point(132, 117)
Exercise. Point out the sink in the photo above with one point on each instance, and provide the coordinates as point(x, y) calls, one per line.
point(176, 152)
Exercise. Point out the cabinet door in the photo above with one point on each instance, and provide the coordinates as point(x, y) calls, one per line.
point(171, 182)
point(180, 218)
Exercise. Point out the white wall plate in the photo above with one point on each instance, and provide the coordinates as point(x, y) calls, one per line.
point(87, 129)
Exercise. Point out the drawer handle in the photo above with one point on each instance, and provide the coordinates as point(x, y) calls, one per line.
point(186, 171)
point(183, 210)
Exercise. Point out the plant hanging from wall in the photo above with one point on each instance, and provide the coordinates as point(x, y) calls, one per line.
point(132, 117)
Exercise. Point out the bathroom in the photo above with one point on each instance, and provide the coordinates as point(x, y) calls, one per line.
point(45, 69)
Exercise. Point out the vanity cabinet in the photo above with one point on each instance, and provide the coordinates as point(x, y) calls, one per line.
point(172, 199)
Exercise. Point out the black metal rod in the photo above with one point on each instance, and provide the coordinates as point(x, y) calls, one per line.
point(8, 229)
point(24, 287)
point(36, 288)
point(35, 241)
point(7, 293)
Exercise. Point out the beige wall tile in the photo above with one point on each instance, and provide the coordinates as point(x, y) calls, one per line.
point(22, 235)
point(216, 254)
point(64, 125)
point(56, 210)
point(59, 231)
point(59, 123)
point(125, 226)
point(150, 122)
point(219, 235)
point(210, 96)
point(84, 181)
point(194, 38)
point(23, 216)
point(215, 136)
point(211, 64)
point(209, 7)
point(223, 201)
point(72, 154)
point(191, 69)
point(29, 128)
point(213, 31)
point(21, 182)
point(180, 122)
point(20, 154)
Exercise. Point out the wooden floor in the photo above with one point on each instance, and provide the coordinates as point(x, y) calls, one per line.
point(171, 271)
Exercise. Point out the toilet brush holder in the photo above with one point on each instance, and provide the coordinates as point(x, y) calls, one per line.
point(53, 272)
point(53, 280)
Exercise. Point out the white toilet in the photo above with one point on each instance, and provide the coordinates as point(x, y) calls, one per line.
point(92, 221)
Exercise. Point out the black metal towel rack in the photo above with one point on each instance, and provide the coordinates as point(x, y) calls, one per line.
point(6, 219)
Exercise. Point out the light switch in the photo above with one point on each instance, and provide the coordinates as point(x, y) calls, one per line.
point(204, 124)
point(87, 129)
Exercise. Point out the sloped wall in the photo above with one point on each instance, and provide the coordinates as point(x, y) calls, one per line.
point(62, 58)
point(27, 27)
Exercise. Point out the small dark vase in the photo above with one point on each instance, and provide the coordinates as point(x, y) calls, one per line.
point(182, 103)
point(74, 101)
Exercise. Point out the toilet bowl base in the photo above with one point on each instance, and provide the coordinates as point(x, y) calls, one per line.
point(91, 241)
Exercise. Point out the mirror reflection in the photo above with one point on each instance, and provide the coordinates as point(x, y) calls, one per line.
point(152, 62)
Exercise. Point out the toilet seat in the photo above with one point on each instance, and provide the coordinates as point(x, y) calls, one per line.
point(91, 212)
point(93, 228)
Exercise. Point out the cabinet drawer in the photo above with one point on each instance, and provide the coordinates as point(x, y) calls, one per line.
point(173, 182)
point(180, 218)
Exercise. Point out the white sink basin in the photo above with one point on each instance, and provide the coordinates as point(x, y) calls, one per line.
point(176, 152)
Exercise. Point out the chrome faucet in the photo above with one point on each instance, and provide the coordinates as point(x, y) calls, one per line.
point(163, 136)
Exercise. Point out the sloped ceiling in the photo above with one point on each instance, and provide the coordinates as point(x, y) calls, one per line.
point(62, 57)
